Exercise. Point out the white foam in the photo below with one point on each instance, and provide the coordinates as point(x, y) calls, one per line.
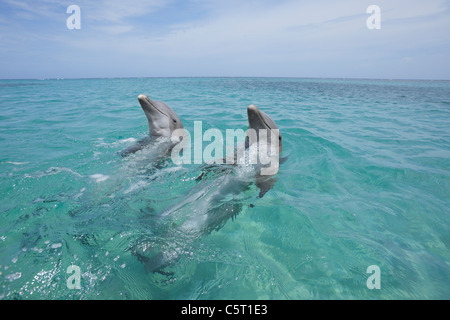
point(15, 163)
point(136, 186)
point(52, 171)
point(55, 170)
point(129, 140)
point(56, 245)
point(14, 276)
point(99, 177)
point(97, 154)
point(101, 142)
point(80, 193)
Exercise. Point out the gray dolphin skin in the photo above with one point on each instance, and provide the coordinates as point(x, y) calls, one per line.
point(162, 121)
point(221, 194)
point(258, 119)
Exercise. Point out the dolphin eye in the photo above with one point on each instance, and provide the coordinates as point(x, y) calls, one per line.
point(175, 121)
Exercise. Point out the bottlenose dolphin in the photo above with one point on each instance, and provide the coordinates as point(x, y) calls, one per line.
point(260, 122)
point(222, 192)
point(162, 121)
point(258, 119)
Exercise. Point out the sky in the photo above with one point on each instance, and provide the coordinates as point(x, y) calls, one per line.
point(254, 38)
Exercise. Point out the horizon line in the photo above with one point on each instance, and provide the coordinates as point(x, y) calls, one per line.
point(248, 77)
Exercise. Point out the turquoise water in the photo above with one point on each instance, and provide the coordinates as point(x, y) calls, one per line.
point(366, 182)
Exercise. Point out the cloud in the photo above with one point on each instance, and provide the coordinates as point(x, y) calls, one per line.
point(104, 10)
point(282, 38)
point(116, 29)
point(299, 27)
point(117, 11)
point(290, 31)
point(216, 37)
point(408, 9)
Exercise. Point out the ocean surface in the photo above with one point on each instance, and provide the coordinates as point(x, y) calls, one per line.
point(365, 182)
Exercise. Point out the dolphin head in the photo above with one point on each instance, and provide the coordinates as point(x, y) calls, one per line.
point(162, 120)
point(258, 120)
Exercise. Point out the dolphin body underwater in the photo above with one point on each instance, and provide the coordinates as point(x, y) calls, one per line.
point(219, 196)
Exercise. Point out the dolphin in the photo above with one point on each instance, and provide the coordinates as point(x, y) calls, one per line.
point(267, 135)
point(221, 194)
point(162, 121)
point(259, 121)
